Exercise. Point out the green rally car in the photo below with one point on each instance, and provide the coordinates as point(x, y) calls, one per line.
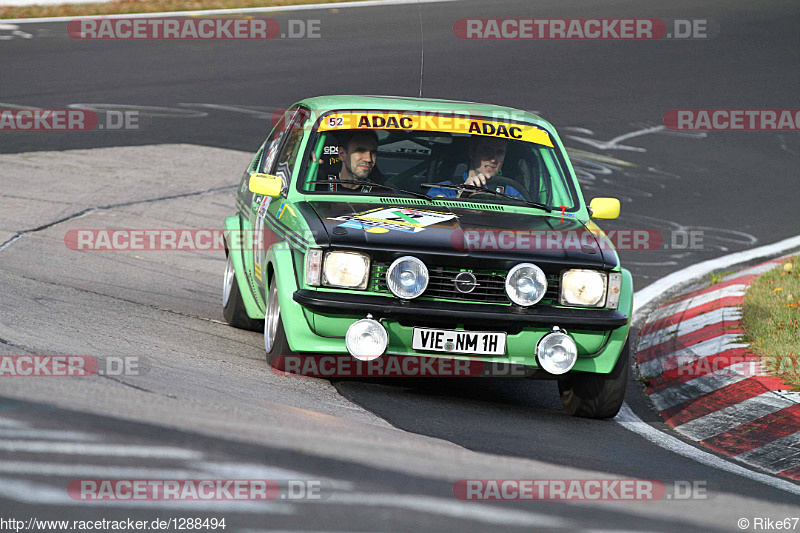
point(377, 227)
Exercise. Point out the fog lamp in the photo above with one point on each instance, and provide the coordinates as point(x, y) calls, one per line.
point(556, 352)
point(366, 339)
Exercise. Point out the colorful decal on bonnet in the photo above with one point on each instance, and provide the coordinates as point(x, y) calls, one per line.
point(394, 218)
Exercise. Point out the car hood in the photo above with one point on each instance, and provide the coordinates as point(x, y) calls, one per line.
point(459, 231)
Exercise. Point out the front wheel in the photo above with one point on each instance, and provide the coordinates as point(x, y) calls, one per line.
point(597, 395)
point(233, 309)
point(275, 342)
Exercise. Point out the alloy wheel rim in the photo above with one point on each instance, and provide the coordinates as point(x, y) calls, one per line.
point(227, 282)
point(272, 316)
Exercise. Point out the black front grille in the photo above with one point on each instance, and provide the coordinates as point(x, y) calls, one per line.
point(491, 285)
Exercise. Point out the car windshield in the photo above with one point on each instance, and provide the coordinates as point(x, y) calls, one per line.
point(449, 165)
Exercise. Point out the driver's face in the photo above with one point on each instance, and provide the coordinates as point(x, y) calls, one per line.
point(359, 157)
point(488, 156)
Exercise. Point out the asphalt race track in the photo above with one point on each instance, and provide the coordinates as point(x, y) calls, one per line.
point(203, 403)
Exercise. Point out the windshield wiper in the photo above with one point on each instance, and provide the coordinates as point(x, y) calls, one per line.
point(376, 184)
point(473, 188)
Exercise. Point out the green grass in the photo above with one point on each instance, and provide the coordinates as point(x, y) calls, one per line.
point(716, 277)
point(770, 317)
point(142, 6)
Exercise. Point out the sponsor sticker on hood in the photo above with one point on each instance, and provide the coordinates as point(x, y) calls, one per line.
point(394, 218)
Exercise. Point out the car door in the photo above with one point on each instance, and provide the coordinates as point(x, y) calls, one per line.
point(248, 203)
point(279, 159)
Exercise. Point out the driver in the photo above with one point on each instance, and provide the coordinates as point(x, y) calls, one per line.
point(486, 156)
point(358, 151)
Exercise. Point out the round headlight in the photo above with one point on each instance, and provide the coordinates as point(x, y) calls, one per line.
point(583, 287)
point(526, 284)
point(556, 353)
point(407, 277)
point(366, 339)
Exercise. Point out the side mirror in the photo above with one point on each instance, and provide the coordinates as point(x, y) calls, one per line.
point(606, 208)
point(265, 184)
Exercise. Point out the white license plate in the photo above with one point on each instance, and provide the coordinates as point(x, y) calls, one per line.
point(469, 342)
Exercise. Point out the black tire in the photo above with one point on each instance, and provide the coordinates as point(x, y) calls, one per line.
point(277, 345)
point(233, 308)
point(597, 395)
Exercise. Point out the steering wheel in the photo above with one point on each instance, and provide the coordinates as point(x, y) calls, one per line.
point(504, 181)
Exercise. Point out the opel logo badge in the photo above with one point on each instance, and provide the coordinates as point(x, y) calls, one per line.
point(465, 282)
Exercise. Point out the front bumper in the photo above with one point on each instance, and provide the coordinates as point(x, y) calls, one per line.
point(387, 307)
point(316, 322)
point(328, 315)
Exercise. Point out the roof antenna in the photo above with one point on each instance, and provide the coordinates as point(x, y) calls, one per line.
point(421, 48)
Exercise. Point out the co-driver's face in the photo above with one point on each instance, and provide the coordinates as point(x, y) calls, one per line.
point(359, 157)
point(488, 156)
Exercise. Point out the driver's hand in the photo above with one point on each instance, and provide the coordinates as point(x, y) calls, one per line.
point(478, 180)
